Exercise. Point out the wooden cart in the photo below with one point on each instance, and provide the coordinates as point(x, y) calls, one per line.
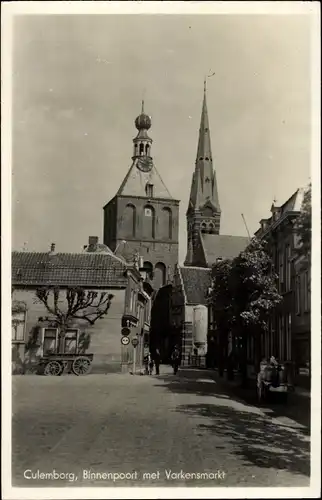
point(56, 364)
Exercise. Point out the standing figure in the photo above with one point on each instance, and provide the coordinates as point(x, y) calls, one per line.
point(150, 361)
point(157, 360)
point(175, 358)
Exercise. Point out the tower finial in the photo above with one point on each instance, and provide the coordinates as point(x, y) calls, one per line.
point(205, 85)
point(142, 110)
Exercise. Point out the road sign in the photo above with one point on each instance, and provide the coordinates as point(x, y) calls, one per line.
point(125, 340)
point(125, 331)
point(135, 342)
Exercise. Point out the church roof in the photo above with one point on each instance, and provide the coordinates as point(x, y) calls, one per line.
point(68, 269)
point(196, 282)
point(135, 182)
point(222, 246)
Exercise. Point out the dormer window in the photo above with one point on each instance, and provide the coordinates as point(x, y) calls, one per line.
point(149, 190)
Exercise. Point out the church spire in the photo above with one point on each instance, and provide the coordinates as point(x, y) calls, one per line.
point(203, 212)
point(204, 184)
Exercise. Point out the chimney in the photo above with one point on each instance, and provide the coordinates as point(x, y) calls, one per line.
point(52, 247)
point(92, 243)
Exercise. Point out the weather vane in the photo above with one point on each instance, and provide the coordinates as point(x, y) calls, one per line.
point(211, 74)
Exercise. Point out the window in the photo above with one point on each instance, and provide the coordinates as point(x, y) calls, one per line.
point(281, 269)
point(149, 190)
point(298, 295)
point(166, 225)
point(281, 335)
point(288, 267)
point(149, 222)
point(71, 341)
point(133, 301)
point(147, 310)
point(50, 340)
point(288, 336)
point(18, 326)
point(306, 290)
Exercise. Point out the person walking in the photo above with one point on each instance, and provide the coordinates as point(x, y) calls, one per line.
point(175, 358)
point(157, 360)
point(150, 361)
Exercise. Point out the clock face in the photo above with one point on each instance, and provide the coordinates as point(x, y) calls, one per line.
point(145, 164)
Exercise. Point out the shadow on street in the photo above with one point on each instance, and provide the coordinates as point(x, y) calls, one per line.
point(254, 436)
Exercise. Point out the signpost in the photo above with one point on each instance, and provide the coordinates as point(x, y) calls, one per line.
point(125, 331)
point(125, 340)
point(135, 342)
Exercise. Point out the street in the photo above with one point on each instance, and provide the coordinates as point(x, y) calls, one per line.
point(124, 430)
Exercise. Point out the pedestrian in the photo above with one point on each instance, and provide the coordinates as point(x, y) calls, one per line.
point(150, 362)
point(175, 358)
point(157, 360)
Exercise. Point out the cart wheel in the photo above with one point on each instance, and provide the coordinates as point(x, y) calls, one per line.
point(53, 368)
point(81, 366)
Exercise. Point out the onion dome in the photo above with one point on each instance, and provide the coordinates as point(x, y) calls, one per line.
point(143, 121)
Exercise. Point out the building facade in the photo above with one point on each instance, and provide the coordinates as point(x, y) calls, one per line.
point(289, 335)
point(143, 217)
point(96, 269)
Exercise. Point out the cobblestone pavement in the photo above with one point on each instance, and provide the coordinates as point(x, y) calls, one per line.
point(136, 425)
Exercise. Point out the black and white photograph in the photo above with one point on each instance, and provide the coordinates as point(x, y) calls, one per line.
point(161, 250)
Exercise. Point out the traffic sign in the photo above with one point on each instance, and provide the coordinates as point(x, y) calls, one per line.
point(125, 331)
point(125, 340)
point(135, 342)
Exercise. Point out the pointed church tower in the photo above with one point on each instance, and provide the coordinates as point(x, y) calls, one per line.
point(143, 217)
point(203, 213)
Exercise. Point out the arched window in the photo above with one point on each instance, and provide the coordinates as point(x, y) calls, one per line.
point(166, 226)
point(211, 228)
point(203, 227)
point(148, 268)
point(141, 148)
point(129, 220)
point(149, 222)
point(159, 275)
point(146, 149)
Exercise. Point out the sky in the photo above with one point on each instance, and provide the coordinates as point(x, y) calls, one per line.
point(78, 82)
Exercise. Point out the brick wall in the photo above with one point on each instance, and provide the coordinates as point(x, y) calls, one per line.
point(104, 335)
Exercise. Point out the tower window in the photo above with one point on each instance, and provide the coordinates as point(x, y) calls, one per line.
point(207, 158)
point(206, 130)
point(149, 190)
point(146, 149)
point(141, 148)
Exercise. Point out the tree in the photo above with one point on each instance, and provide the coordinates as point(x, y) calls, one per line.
point(243, 295)
point(253, 286)
point(65, 306)
point(303, 226)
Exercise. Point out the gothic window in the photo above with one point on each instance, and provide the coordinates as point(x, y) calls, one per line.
point(167, 222)
point(129, 220)
point(160, 275)
point(149, 190)
point(149, 222)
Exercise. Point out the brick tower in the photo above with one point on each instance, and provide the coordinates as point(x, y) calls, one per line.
point(143, 218)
